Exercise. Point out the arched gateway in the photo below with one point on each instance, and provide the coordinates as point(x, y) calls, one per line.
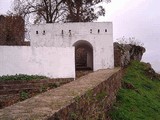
point(58, 49)
point(83, 55)
point(91, 43)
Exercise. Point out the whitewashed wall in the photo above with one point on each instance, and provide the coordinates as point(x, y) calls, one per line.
point(48, 61)
point(66, 34)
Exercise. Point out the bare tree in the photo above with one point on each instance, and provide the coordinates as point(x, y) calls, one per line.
point(84, 10)
point(52, 11)
point(48, 10)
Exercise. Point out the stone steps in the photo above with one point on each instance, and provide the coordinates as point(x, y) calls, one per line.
point(20, 86)
point(16, 91)
point(10, 91)
point(12, 87)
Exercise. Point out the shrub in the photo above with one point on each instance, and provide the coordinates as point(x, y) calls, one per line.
point(130, 40)
point(24, 95)
point(21, 77)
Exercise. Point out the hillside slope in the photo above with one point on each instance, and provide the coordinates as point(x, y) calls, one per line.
point(139, 97)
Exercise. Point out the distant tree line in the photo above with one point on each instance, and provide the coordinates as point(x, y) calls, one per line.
point(51, 11)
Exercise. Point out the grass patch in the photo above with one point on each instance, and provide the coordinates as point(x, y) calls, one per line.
point(21, 77)
point(141, 105)
point(100, 96)
point(24, 95)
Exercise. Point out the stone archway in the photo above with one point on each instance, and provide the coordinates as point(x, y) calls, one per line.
point(83, 55)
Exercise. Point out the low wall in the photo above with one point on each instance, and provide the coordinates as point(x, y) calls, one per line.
point(47, 61)
point(87, 98)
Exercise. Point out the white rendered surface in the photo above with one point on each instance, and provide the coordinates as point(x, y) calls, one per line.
point(66, 34)
point(48, 61)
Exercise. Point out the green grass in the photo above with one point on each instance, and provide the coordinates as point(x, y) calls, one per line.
point(140, 103)
point(21, 77)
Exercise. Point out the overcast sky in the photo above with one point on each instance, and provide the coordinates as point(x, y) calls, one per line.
point(131, 18)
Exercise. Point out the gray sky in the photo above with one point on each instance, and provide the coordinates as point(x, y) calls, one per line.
point(131, 18)
point(139, 19)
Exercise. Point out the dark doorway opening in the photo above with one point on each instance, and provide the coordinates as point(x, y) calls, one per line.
point(83, 55)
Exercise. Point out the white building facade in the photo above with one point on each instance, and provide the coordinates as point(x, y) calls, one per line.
point(53, 49)
point(96, 37)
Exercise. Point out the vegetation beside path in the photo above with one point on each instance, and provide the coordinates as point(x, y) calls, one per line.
point(21, 77)
point(139, 97)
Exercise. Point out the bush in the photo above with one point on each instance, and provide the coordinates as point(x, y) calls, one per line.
point(130, 40)
point(24, 95)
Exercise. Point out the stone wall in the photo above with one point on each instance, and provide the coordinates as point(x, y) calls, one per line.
point(87, 98)
point(12, 29)
point(94, 104)
point(125, 53)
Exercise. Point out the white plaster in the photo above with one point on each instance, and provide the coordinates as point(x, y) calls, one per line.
point(52, 53)
point(48, 61)
point(102, 42)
